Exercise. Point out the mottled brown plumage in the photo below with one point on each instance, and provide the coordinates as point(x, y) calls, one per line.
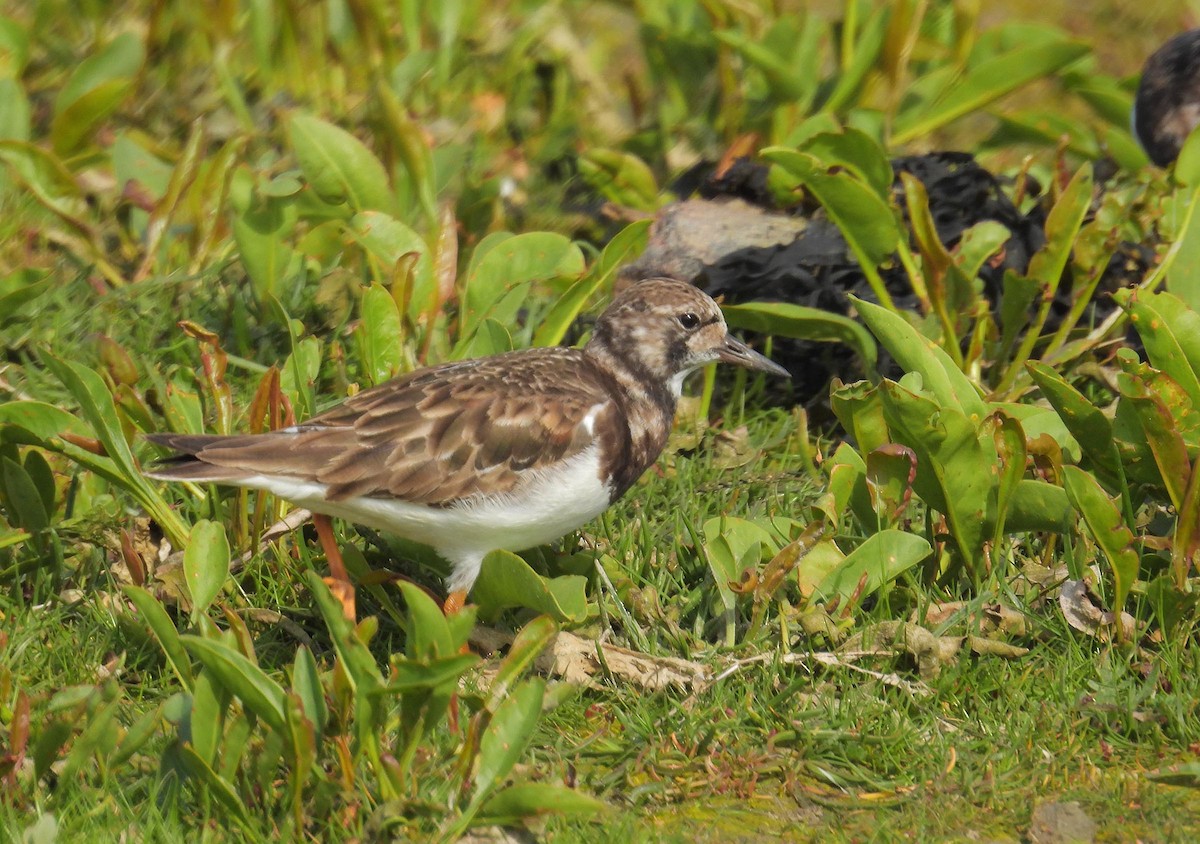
point(507, 451)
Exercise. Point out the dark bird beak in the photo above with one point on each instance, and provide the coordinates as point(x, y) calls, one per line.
point(737, 352)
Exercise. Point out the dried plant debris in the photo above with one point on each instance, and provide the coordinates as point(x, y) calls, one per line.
point(586, 662)
point(1083, 611)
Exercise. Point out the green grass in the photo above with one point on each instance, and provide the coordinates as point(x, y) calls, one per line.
point(522, 117)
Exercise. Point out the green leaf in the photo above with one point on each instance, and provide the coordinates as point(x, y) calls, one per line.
point(882, 558)
point(783, 319)
point(243, 679)
point(214, 785)
point(506, 580)
point(206, 722)
point(339, 167)
point(74, 125)
point(620, 177)
point(1086, 422)
point(430, 674)
point(361, 668)
point(1009, 439)
point(531, 799)
point(864, 218)
point(630, 241)
point(15, 112)
point(121, 58)
point(860, 410)
point(205, 564)
point(380, 332)
point(956, 470)
point(163, 630)
point(263, 233)
point(41, 420)
point(428, 632)
point(526, 647)
point(496, 284)
point(857, 151)
point(507, 735)
point(306, 685)
point(1170, 331)
point(734, 546)
point(387, 241)
point(1112, 535)
point(21, 498)
point(986, 83)
point(916, 353)
point(1158, 423)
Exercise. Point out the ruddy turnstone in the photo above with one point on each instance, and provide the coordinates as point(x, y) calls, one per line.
point(503, 452)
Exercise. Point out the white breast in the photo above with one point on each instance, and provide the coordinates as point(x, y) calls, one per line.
point(553, 502)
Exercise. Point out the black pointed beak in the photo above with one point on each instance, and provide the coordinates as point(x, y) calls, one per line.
point(737, 352)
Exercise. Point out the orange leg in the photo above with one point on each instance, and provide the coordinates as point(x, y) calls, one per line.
point(339, 581)
point(454, 602)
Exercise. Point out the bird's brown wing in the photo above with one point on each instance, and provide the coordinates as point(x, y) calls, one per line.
point(433, 437)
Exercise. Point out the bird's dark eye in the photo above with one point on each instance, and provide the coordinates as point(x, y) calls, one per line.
point(689, 320)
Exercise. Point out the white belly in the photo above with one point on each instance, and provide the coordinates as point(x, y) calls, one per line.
point(553, 503)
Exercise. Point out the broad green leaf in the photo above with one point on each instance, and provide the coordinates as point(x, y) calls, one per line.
point(428, 633)
point(490, 338)
point(339, 167)
point(533, 799)
point(21, 498)
point(263, 233)
point(206, 722)
point(507, 581)
point(14, 113)
point(387, 241)
point(857, 151)
point(1038, 506)
point(121, 58)
point(784, 319)
point(1170, 331)
point(380, 334)
point(817, 565)
point(243, 679)
point(507, 735)
point(891, 469)
point(361, 668)
point(1158, 424)
point(526, 647)
point(1181, 264)
point(205, 564)
point(306, 685)
point(916, 353)
point(882, 558)
point(860, 410)
point(620, 177)
point(865, 219)
point(1112, 535)
point(847, 487)
point(427, 675)
point(956, 471)
point(215, 786)
point(74, 125)
point(156, 618)
point(496, 285)
point(1086, 422)
point(987, 82)
point(1009, 439)
point(629, 242)
point(734, 546)
point(138, 735)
